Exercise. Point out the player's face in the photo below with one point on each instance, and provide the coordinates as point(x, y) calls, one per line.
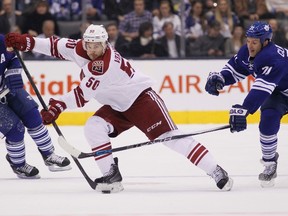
point(94, 49)
point(254, 46)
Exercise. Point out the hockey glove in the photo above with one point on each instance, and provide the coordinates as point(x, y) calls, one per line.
point(215, 82)
point(237, 119)
point(24, 42)
point(53, 112)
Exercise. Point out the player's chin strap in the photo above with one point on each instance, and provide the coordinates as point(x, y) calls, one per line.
point(78, 154)
point(62, 140)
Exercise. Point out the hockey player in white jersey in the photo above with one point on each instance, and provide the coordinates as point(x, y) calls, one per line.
point(127, 97)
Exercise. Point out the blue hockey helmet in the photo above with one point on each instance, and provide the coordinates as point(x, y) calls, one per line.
point(261, 30)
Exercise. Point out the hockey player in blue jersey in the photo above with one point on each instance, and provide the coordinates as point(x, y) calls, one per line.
point(267, 62)
point(19, 111)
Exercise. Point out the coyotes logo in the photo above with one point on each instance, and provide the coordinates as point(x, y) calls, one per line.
point(98, 67)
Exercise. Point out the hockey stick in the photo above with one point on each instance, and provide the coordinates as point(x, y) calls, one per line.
point(61, 137)
point(78, 154)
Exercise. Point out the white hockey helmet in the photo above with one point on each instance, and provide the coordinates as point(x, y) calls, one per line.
point(95, 33)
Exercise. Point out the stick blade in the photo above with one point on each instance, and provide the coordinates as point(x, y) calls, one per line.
point(67, 147)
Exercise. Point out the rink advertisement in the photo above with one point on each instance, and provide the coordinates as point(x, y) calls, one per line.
point(181, 83)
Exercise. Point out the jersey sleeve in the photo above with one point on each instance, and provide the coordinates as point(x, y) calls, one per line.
point(62, 48)
point(13, 74)
point(233, 71)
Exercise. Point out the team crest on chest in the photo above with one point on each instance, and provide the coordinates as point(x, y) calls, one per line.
point(98, 67)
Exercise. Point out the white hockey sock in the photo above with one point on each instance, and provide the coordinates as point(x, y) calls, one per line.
point(104, 161)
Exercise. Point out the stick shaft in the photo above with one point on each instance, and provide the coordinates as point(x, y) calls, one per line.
point(88, 179)
point(123, 148)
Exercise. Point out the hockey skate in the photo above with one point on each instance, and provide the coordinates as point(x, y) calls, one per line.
point(57, 163)
point(267, 177)
point(26, 172)
point(223, 181)
point(111, 181)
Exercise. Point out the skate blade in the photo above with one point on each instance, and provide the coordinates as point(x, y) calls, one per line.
point(268, 184)
point(109, 188)
point(23, 176)
point(55, 168)
point(228, 186)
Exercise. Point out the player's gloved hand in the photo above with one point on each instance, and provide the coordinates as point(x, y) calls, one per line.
point(237, 119)
point(53, 112)
point(215, 82)
point(22, 42)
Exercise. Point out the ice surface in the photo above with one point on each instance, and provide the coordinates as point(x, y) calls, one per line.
point(157, 181)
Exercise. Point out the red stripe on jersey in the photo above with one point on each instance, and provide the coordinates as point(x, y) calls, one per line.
point(79, 97)
point(82, 75)
point(197, 153)
point(54, 50)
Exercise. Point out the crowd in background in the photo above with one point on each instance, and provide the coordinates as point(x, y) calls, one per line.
point(150, 28)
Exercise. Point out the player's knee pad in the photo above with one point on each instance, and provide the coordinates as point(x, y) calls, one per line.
point(270, 121)
point(16, 132)
point(96, 131)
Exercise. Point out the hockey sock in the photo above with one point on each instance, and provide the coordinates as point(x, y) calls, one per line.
point(268, 146)
point(42, 139)
point(16, 152)
point(202, 158)
point(104, 161)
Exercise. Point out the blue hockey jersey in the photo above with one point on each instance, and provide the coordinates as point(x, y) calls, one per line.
point(269, 67)
point(10, 68)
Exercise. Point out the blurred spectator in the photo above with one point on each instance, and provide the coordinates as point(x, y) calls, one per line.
point(76, 10)
point(145, 46)
point(116, 9)
point(278, 7)
point(251, 10)
point(165, 15)
point(233, 44)
point(48, 30)
point(226, 17)
point(129, 26)
point(94, 10)
point(6, 17)
point(60, 9)
point(26, 6)
point(278, 33)
point(117, 40)
point(195, 23)
point(33, 22)
point(154, 6)
point(16, 29)
point(79, 35)
point(208, 8)
point(170, 41)
point(210, 45)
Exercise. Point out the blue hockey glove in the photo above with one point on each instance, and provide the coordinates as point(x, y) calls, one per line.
point(215, 82)
point(237, 119)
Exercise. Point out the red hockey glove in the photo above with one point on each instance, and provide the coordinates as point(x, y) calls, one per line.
point(53, 112)
point(20, 42)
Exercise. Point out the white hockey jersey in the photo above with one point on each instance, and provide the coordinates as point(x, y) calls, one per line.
point(109, 79)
